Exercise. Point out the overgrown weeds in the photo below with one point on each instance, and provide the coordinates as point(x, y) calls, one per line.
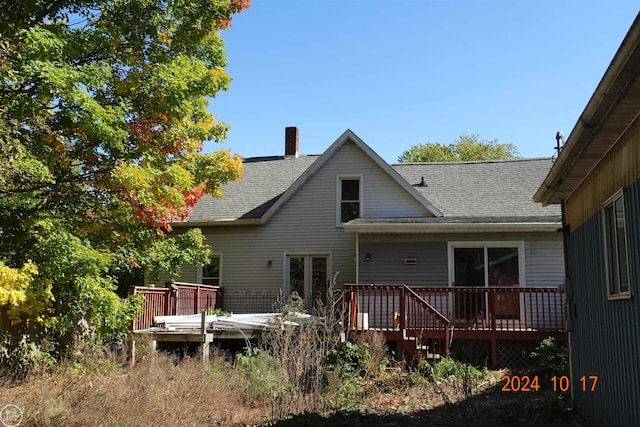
point(299, 348)
point(550, 359)
point(354, 369)
point(299, 367)
point(96, 388)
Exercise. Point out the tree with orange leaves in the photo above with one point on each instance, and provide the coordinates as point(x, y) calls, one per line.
point(103, 115)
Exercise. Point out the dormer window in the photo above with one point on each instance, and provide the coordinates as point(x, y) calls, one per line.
point(350, 198)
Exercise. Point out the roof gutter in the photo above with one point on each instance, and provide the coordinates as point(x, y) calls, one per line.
point(521, 227)
point(224, 222)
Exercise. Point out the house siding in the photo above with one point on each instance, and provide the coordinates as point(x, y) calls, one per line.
point(543, 252)
point(387, 263)
point(305, 225)
point(382, 196)
point(605, 337)
point(544, 260)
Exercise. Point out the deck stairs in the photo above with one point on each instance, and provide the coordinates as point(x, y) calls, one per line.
point(417, 328)
point(426, 333)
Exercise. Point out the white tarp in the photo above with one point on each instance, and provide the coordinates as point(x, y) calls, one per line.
point(251, 321)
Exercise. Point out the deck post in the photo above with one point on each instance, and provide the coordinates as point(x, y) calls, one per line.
point(205, 352)
point(131, 349)
point(203, 336)
point(447, 339)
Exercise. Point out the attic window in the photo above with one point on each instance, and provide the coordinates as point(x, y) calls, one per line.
point(349, 196)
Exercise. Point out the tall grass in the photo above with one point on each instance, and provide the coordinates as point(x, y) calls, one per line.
point(159, 391)
point(285, 374)
point(300, 351)
point(293, 370)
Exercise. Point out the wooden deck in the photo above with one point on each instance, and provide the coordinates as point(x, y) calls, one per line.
point(421, 321)
point(174, 299)
point(430, 318)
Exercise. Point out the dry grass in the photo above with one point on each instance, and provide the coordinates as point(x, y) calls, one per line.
point(284, 378)
point(162, 391)
point(300, 353)
point(159, 390)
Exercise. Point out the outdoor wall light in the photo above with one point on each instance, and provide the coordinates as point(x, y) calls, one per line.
point(367, 257)
point(269, 263)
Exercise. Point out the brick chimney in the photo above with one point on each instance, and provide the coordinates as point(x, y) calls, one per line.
point(291, 141)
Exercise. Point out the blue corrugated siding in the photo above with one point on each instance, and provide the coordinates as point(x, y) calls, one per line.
point(606, 334)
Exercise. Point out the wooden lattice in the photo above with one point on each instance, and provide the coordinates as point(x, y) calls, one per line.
point(514, 354)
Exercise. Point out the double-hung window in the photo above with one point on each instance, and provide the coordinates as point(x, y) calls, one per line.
point(615, 241)
point(349, 199)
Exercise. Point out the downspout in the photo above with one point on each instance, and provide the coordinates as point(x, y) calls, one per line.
point(570, 310)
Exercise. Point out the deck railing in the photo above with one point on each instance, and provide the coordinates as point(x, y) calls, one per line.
point(175, 299)
point(478, 309)
point(252, 301)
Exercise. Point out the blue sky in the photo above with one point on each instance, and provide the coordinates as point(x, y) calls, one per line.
point(404, 72)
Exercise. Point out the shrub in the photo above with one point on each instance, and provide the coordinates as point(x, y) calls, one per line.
point(265, 382)
point(349, 360)
point(550, 358)
point(447, 368)
point(377, 348)
point(19, 362)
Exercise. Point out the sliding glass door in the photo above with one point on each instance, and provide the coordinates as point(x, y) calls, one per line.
point(491, 264)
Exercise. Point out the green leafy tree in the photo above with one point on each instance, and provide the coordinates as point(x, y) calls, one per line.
point(103, 113)
point(464, 149)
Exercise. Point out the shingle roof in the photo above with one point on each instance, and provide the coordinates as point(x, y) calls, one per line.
point(487, 191)
point(263, 182)
point(490, 189)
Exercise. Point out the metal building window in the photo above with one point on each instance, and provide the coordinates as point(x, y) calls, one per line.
point(615, 245)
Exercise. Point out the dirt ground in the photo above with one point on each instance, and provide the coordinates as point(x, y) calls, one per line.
point(444, 404)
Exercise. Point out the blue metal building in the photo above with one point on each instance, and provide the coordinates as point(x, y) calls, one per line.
point(596, 179)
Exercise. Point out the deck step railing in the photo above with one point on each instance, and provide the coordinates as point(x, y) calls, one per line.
point(399, 311)
point(426, 326)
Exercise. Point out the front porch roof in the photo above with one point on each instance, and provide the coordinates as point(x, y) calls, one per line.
point(476, 224)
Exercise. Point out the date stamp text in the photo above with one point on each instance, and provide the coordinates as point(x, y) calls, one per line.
point(526, 383)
